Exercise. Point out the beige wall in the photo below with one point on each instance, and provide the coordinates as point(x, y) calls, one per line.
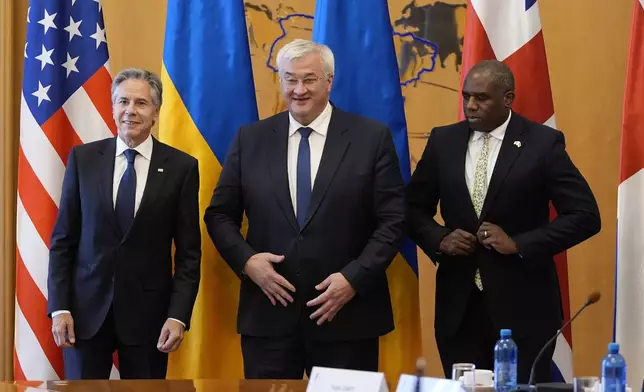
point(135, 32)
point(586, 42)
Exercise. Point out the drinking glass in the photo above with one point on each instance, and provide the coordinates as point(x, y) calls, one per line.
point(464, 372)
point(586, 384)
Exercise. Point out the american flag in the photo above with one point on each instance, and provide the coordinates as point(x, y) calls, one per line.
point(65, 102)
point(510, 31)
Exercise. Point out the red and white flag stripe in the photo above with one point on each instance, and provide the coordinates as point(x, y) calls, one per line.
point(629, 295)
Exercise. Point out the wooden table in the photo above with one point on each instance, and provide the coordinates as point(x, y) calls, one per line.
point(157, 386)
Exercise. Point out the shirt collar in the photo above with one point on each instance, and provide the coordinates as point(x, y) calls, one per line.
point(144, 149)
point(317, 125)
point(497, 133)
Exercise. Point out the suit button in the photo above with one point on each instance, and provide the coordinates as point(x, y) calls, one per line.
point(297, 273)
point(300, 237)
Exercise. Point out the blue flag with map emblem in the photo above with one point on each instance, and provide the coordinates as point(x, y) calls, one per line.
point(367, 82)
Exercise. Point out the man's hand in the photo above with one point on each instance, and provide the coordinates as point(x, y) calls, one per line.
point(63, 330)
point(171, 336)
point(492, 236)
point(458, 243)
point(337, 292)
point(260, 269)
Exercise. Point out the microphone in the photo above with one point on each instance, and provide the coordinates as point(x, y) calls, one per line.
point(591, 299)
point(420, 373)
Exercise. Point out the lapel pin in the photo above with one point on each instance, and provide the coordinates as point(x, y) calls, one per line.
point(160, 170)
point(517, 143)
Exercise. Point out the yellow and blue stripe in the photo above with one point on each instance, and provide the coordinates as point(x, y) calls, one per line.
point(209, 93)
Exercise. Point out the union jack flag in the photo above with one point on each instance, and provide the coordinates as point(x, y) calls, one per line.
point(65, 102)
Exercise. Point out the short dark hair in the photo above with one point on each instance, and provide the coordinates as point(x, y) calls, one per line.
point(141, 74)
point(499, 72)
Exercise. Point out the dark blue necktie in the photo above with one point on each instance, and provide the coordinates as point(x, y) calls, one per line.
point(126, 195)
point(303, 176)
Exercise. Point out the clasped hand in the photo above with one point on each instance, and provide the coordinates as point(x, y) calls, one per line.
point(461, 243)
point(260, 269)
point(336, 290)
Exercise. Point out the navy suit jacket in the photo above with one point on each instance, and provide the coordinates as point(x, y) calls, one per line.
point(93, 266)
point(532, 170)
point(354, 225)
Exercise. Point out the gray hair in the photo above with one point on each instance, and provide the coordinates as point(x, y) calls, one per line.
point(498, 71)
point(141, 74)
point(299, 48)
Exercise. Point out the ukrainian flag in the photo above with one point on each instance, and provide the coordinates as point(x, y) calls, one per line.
point(366, 82)
point(208, 94)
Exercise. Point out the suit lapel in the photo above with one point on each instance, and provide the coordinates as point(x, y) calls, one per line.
point(153, 183)
point(105, 182)
point(335, 146)
point(507, 155)
point(278, 168)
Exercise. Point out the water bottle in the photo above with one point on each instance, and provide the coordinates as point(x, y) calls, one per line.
point(613, 370)
point(506, 354)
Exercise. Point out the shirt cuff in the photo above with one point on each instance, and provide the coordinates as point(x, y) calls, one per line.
point(56, 313)
point(179, 321)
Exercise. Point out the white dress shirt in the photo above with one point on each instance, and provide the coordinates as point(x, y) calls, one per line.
point(474, 147)
point(142, 167)
point(317, 139)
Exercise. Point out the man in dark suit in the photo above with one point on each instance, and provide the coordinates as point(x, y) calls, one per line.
point(324, 198)
point(111, 283)
point(494, 175)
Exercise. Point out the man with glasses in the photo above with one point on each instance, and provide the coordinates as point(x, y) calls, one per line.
point(324, 198)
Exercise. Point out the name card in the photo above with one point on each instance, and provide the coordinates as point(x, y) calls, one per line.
point(409, 383)
point(343, 380)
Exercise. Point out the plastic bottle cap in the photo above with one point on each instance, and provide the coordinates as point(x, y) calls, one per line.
point(613, 348)
point(506, 333)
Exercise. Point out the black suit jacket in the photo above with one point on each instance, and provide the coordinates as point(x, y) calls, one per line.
point(532, 170)
point(92, 265)
point(354, 225)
